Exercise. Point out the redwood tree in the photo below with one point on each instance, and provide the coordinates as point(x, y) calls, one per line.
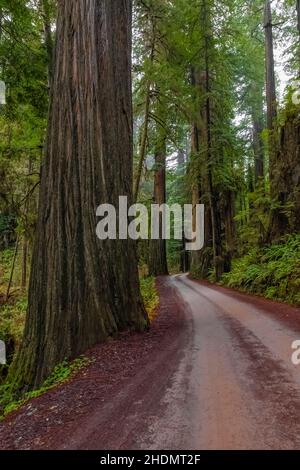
point(82, 289)
point(270, 89)
point(158, 250)
point(278, 217)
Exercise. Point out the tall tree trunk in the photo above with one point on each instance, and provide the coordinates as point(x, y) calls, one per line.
point(46, 13)
point(288, 178)
point(213, 196)
point(143, 145)
point(270, 90)
point(158, 251)
point(12, 270)
point(258, 150)
point(144, 133)
point(229, 228)
point(25, 237)
point(278, 220)
point(184, 255)
point(201, 261)
point(82, 289)
point(24, 263)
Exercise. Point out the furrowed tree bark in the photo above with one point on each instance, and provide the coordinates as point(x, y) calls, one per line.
point(158, 250)
point(25, 243)
point(82, 289)
point(258, 150)
point(288, 176)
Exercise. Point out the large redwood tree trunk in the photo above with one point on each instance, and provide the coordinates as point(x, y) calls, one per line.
point(82, 289)
point(287, 176)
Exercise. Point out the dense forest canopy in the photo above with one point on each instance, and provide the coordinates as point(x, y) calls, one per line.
point(215, 88)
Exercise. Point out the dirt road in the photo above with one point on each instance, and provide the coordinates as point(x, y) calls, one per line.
point(214, 372)
point(243, 392)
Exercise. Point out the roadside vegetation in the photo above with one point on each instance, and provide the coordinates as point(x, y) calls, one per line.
point(150, 296)
point(273, 271)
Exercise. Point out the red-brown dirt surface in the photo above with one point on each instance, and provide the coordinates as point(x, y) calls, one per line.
point(115, 393)
point(213, 372)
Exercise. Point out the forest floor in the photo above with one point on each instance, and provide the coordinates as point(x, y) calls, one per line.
point(213, 372)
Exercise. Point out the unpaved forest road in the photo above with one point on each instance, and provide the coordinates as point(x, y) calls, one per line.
point(214, 372)
point(243, 392)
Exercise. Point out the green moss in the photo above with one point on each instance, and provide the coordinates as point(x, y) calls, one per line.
point(61, 373)
point(12, 317)
point(290, 110)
